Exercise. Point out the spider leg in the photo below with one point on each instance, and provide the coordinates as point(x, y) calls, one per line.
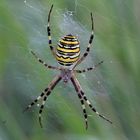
point(89, 69)
point(93, 108)
point(45, 64)
point(88, 102)
point(35, 101)
point(89, 45)
point(81, 100)
point(49, 32)
point(47, 93)
point(44, 95)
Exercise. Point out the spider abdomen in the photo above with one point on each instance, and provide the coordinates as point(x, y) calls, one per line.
point(68, 50)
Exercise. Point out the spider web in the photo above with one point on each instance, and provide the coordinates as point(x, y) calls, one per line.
point(35, 19)
point(22, 78)
point(66, 23)
point(35, 77)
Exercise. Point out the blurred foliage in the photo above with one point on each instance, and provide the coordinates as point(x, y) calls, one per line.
point(113, 88)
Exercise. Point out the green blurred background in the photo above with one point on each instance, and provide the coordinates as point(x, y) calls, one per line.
point(113, 88)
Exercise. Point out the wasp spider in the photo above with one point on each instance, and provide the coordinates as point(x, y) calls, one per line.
point(67, 54)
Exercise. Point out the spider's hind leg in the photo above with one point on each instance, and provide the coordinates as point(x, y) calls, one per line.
point(89, 44)
point(49, 33)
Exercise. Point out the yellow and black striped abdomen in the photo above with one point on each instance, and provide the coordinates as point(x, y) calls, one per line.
point(68, 50)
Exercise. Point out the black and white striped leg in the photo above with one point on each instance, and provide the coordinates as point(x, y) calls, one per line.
point(89, 45)
point(81, 100)
point(77, 84)
point(47, 93)
point(89, 69)
point(35, 101)
point(45, 64)
point(41, 108)
point(93, 109)
point(84, 111)
point(49, 32)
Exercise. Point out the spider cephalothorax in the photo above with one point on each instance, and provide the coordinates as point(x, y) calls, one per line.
point(67, 54)
point(66, 75)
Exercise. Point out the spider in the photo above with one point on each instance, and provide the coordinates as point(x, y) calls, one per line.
point(67, 54)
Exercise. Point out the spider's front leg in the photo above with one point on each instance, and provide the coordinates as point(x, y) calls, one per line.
point(44, 95)
point(77, 86)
